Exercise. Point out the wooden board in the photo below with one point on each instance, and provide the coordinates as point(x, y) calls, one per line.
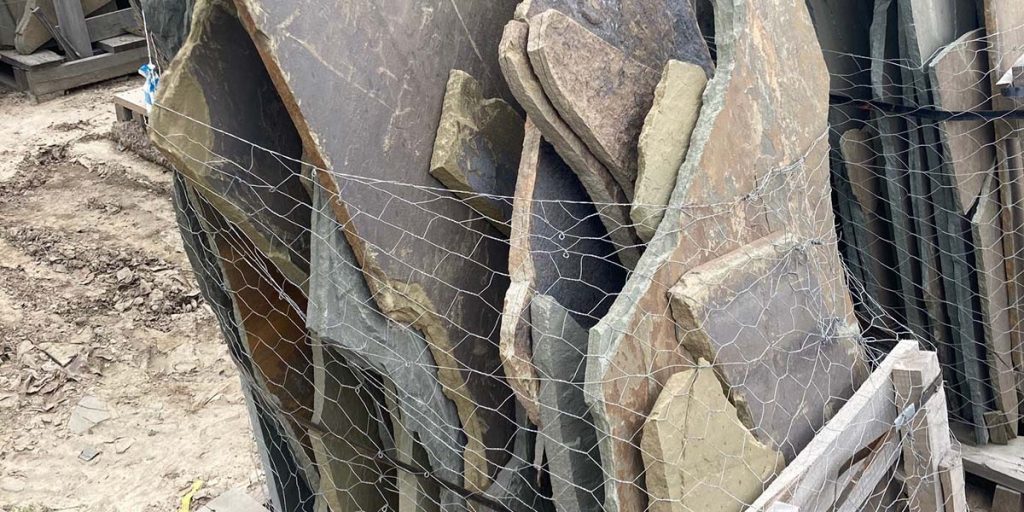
point(558, 248)
point(430, 262)
point(1001, 464)
point(35, 60)
point(112, 24)
point(121, 43)
point(808, 480)
point(771, 124)
point(31, 34)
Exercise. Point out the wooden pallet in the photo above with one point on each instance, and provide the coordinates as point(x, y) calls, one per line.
point(45, 74)
point(129, 106)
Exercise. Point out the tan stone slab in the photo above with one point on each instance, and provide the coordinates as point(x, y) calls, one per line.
point(758, 314)
point(558, 248)
point(959, 84)
point(600, 92)
point(431, 262)
point(31, 34)
point(697, 453)
point(758, 162)
point(477, 149)
point(610, 200)
point(664, 141)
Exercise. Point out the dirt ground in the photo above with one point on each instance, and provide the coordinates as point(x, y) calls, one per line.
point(98, 307)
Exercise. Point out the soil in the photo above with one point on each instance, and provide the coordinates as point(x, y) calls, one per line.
point(97, 301)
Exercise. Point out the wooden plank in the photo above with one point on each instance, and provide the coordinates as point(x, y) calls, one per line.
point(8, 23)
point(865, 483)
point(926, 436)
point(35, 60)
point(1007, 500)
point(121, 43)
point(105, 26)
point(85, 71)
point(131, 100)
point(71, 23)
point(31, 34)
point(1001, 464)
point(867, 416)
point(951, 475)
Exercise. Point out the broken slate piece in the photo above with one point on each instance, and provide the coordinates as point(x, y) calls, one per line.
point(697, 453)
point(651, 32)
point(477, 149)
point(234, 500)
point(88, 453)
point(758, 163)
point(604, 191)
point(600, 92)
point(558, 248)
point(343, 317)
point(431, 262)
point(759, 316)
point(567, 429)
point(664, 142)
point(89, 412)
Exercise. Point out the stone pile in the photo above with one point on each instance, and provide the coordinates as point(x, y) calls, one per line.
point(929, 205)
point(489, 256)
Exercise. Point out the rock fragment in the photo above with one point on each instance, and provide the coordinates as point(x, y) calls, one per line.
point(664, 141)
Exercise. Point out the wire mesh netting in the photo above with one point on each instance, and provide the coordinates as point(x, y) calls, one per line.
point(656, 257)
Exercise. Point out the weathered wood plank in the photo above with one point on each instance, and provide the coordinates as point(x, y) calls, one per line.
point(86, 71)
point(112, 24)
point(772, 125)
point(1001, 464)
point(926, 437)
point(31, 34)
point(37, 59)
point(1007, 500)
point(121, 43)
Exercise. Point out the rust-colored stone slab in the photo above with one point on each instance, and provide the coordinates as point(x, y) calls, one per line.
point(364, 83)
point(698, 454)
point(215, 87)
point(959, 84)
point(604, 191)
point(476, 153)
point(651, 32)
point(600, 92)
point(31, 34)
point(559, 249)
point(759, 316)
point(664, 142)
point(758, 163)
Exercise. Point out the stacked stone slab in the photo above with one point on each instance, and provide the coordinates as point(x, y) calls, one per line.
point(460, 248)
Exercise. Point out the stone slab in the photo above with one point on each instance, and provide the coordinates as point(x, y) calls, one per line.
point(601, 93)
point(558, 248)
point(989, 260)
point(517, 485)
point(477, 149)
point(567, 428)
point(959, 84)
point(697, 453)
point(343, 315)
point(759, 315)
point(430, 262)
point(217, 86)
point(771, 124)
point(30, 33)
point(650, 32)
point(350, 476)
point(664, 141)
point(275, 453)
point(604, 191)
